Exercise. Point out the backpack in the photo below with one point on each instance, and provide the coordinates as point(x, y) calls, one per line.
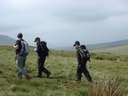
point(24, 49)
point(84, 53)
point(44, 48)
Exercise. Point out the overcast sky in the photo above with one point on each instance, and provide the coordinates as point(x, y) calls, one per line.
point(61, 22)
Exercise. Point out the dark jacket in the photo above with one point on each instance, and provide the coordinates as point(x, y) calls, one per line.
point(42, 49)
point(78, 56)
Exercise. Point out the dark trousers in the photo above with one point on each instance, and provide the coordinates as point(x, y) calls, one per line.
point(82, 68)
point(41, 67)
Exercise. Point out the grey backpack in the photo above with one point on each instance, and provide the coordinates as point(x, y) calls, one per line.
point(24, 49)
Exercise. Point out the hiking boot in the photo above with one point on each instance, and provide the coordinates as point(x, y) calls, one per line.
point(78, 80)
point(18, 78)
point(48, 75)
point(28, 77)
point(39, 76)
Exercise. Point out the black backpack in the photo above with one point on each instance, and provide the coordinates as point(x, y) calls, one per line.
point(44, 48)
point(84, 53)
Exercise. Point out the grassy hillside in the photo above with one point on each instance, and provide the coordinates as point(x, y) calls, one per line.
point(63, 67)
point(123, 50)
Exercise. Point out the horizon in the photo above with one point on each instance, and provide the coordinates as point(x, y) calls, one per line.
point(95, 45)
point(61, 23)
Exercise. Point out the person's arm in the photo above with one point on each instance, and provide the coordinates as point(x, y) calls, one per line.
point(38, 49)
point(89, 59)
point(16, 46)
point(78, 56)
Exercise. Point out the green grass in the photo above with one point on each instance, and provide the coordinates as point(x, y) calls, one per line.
point(63, 67)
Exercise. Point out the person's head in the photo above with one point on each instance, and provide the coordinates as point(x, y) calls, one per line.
point(20, 36)
point(77, 44)
point(37, 40)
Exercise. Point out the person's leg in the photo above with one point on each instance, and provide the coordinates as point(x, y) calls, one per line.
point(86, 73)
point(44, 69)
point(39, 68)
point(79, 73)
point(19, 75)
point(24, 70)
point(18, 63)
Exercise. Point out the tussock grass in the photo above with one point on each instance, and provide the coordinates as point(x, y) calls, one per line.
point(107, 88)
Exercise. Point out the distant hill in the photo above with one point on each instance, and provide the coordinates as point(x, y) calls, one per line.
point(100, 45)
point(119, 50)
point(108, 44)
point(6, 40)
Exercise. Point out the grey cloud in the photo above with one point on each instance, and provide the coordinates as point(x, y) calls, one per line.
point(63, 23)
point(83, 15)
point(11, 28)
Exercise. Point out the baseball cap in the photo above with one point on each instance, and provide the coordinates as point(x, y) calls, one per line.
point(76, 43)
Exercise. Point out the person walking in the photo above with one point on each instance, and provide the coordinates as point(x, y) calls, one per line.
point(22, 50)
point(42, 52)
point(82, 58)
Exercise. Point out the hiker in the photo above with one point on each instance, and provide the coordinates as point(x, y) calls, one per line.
point(82, 57)
point(22, 50)
point(42, 52)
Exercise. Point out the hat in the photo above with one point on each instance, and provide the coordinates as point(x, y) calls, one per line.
point(76, 43)
point(37, 39)
point(20, 35)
